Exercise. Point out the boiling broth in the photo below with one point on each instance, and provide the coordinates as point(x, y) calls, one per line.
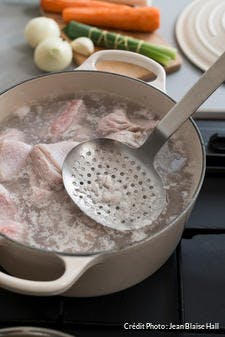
point(54, 222)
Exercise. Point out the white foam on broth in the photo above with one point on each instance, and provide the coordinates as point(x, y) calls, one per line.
point(56, 223)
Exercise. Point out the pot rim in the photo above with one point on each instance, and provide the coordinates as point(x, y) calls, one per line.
point(135, 244)
point(32, 331)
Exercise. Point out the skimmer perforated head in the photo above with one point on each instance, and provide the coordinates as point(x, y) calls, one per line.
point(108, 182)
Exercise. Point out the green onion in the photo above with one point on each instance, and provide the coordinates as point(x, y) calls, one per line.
point(103, 38)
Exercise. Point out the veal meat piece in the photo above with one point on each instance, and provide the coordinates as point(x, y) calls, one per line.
point(9, 224)
point(47, 161)
point(12, 134)
point(8, 209)
point(133, 139)
point(12, 229)
point(41, 194)
point(13, 155)
point(69, 118)
point(41, 197)
point(117, 121)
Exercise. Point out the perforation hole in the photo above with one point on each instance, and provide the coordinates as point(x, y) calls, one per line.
point(111, 173)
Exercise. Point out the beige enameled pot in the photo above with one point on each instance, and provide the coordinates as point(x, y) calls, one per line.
point(37, 272)
point(23, 331)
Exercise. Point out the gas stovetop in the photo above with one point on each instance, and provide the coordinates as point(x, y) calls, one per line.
point(189, 288)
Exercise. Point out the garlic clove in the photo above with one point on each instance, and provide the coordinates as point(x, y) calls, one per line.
point(83, 46)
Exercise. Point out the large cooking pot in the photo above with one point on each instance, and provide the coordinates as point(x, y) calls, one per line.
point(23, 331)
point(38, 272)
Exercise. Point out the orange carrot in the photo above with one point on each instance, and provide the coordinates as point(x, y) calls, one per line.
point(143, 19)
point(129, 2)
point(57, 6)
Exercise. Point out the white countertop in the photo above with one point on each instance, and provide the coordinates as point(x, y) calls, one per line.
point(16, 63)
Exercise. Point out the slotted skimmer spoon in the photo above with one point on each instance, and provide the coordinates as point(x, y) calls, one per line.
point(118, 186)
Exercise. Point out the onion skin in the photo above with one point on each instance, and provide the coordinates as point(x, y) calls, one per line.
point(53, 54)
point(39, 29)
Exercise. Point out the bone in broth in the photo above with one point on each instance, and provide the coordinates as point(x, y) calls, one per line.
point(34, 141)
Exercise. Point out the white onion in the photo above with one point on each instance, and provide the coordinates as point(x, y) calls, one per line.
point(83, 46)
point(39, 29)
point(53, 54)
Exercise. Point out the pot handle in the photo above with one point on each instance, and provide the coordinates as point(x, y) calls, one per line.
point(74, 269)
point(128, 57)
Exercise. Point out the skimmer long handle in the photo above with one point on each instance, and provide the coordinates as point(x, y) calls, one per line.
point(188, 105)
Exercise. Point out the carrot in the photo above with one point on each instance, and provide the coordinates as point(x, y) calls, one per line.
point(57, 6)
point(129, 2)
point(143, 19)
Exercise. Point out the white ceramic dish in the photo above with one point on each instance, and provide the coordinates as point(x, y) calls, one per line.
point(200, 31)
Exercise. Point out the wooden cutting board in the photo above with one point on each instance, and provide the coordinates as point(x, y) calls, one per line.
point(122, 68)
